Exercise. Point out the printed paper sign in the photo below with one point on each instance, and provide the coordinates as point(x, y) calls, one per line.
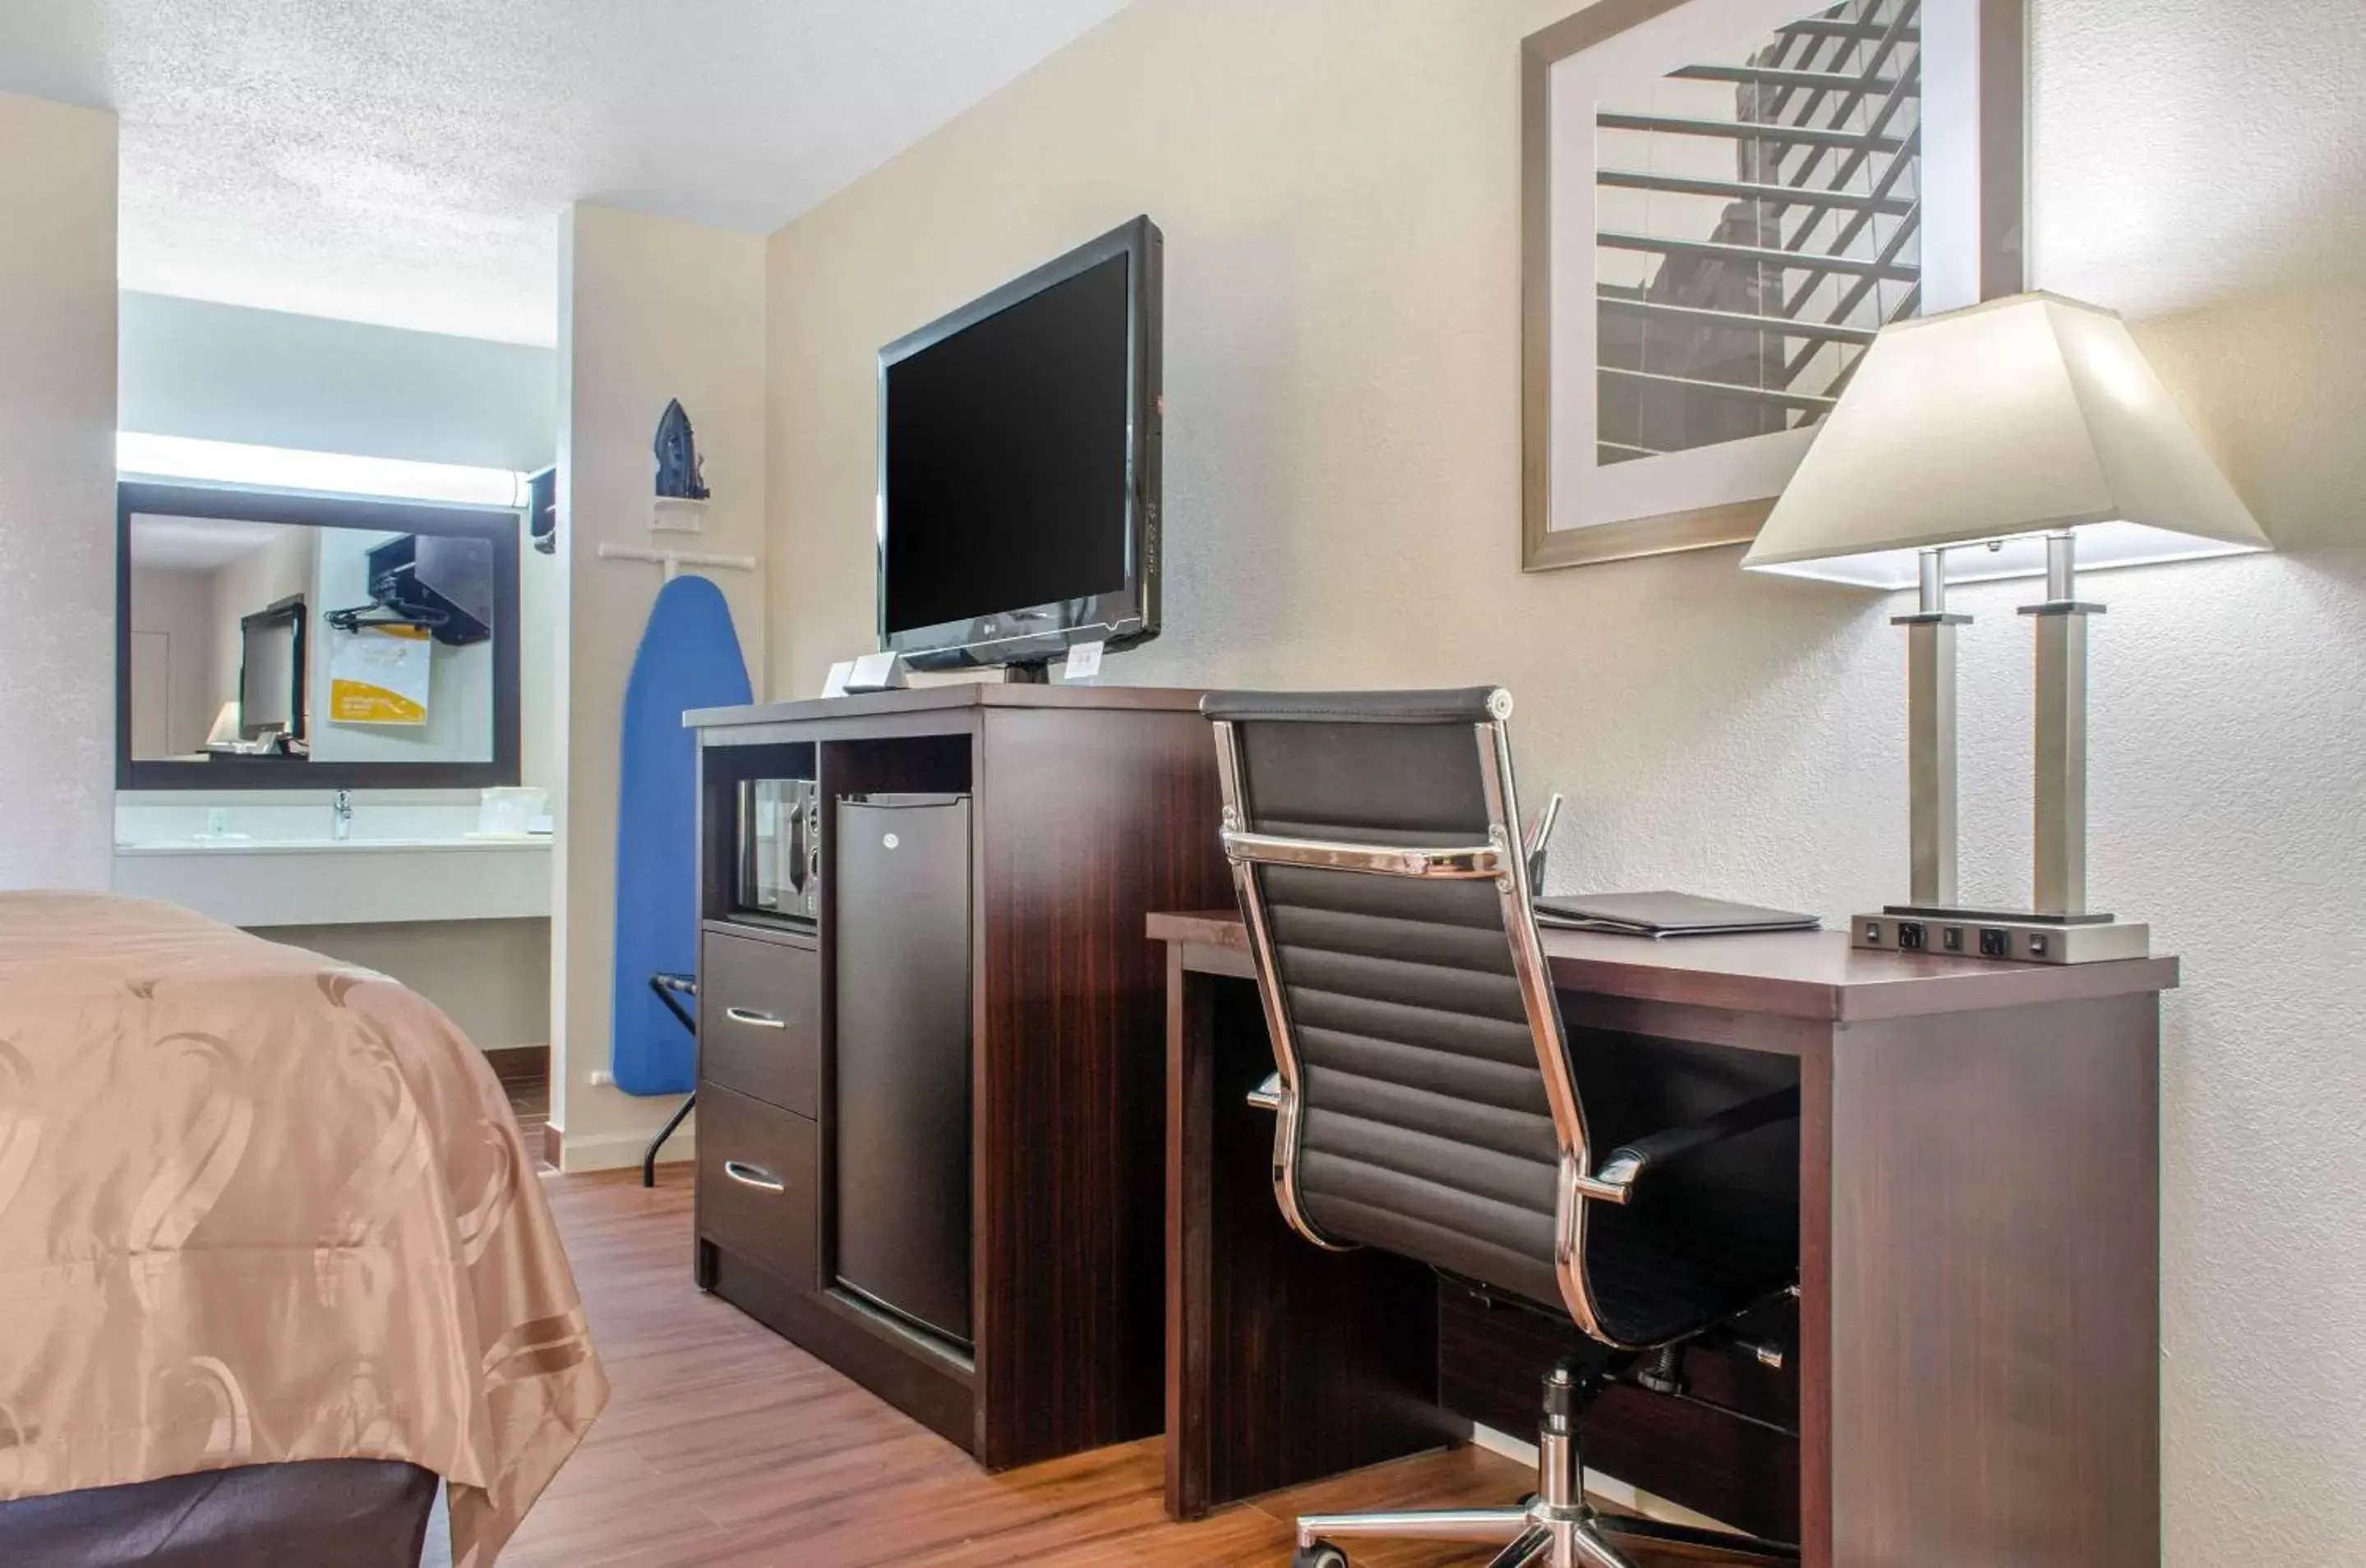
point(380, 675)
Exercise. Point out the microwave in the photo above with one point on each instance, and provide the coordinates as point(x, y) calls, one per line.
point(780, 849)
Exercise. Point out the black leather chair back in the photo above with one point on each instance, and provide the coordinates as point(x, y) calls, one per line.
point(1429, 1102)
point(1415, 1114)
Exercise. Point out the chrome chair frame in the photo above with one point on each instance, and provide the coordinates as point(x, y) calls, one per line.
point(1505, 861)
point(1557, 1528)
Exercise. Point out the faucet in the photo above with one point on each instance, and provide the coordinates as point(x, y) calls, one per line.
point(341, 817)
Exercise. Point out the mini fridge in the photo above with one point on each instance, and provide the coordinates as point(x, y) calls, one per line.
point(902, 962)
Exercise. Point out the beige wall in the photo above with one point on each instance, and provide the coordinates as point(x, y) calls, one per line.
point(274, 378)
point(490, 977)
point(649, 309)
point(1338, 183)
point(57, 493)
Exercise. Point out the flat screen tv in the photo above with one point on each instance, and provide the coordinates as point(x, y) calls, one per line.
point(1019, 466)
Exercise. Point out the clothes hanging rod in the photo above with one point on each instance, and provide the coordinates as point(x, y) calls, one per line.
point(674, 560)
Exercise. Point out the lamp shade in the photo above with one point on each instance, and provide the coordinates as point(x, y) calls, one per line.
point(2002, 422)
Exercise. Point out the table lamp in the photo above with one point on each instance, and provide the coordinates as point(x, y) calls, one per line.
point(2023, 436)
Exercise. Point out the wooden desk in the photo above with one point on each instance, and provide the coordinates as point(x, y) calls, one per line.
point(1976, 1377)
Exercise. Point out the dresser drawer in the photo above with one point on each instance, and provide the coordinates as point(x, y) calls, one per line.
point(760, 1020)
point(758, 1184)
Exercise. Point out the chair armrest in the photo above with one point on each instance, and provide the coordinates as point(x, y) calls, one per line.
point(1629, 1161)
point(1267, 1096)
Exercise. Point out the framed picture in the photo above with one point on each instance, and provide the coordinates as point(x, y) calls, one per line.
point(1723, 201)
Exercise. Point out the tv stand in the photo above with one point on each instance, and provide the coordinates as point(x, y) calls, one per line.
point(1032, 672)
point(1087, 808)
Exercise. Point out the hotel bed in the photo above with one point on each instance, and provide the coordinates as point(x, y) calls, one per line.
point(272, 1258)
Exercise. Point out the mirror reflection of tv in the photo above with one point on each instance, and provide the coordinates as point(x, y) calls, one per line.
point(1019, 466)
point(271, 672)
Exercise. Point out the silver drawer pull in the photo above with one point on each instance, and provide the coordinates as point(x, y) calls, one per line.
point(758, 1019)
point(752, 1176)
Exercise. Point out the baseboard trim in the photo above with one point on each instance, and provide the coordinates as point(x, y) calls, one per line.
point(616, 1151)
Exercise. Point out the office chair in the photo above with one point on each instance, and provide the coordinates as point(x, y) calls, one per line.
point(1429, 1104)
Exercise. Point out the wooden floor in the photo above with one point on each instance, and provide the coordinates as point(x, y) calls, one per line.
point(726, 1446)
point(526, 1078)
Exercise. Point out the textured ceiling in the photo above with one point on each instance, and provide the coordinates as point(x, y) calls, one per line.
point(404, 161)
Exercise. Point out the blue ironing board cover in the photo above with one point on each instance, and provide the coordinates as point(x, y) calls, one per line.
point(689, 658)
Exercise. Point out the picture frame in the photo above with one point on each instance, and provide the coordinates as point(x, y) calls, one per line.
point(1684, 326)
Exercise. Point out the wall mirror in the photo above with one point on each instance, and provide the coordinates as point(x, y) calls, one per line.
point(1723, 201)
point(269, 640)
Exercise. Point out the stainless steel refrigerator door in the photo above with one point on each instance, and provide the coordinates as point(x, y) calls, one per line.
point(902, 954)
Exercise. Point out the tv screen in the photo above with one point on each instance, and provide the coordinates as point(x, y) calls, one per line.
point(1005, 459)
point(1009, 436)
point(270, 656)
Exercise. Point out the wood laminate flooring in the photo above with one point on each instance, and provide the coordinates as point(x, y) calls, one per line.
point(525, 1072)
point(726, 1446)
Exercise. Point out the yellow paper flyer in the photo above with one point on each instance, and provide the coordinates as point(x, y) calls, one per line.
point(380, 675)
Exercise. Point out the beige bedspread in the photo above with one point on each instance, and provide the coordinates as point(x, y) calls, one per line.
point(258, 1205)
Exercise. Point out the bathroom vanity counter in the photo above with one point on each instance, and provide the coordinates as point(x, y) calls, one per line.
point(359, 881)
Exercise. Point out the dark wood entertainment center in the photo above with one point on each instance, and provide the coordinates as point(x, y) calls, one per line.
point(1090, 809)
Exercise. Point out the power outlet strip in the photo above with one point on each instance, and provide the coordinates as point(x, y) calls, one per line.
point(1974, 935)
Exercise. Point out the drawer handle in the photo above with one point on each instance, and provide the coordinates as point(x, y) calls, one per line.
point(758, 1020)
point(751, 1176)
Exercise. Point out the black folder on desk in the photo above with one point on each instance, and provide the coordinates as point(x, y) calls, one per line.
point(1664, 914)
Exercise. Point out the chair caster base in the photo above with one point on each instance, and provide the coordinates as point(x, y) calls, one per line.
point(1552, 1525)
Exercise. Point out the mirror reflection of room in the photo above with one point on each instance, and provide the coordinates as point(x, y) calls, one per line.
point(321, 644)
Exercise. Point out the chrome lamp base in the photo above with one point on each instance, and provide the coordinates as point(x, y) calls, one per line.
point(2059, 931)
point(2015, 936)
point(1556, 1528)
